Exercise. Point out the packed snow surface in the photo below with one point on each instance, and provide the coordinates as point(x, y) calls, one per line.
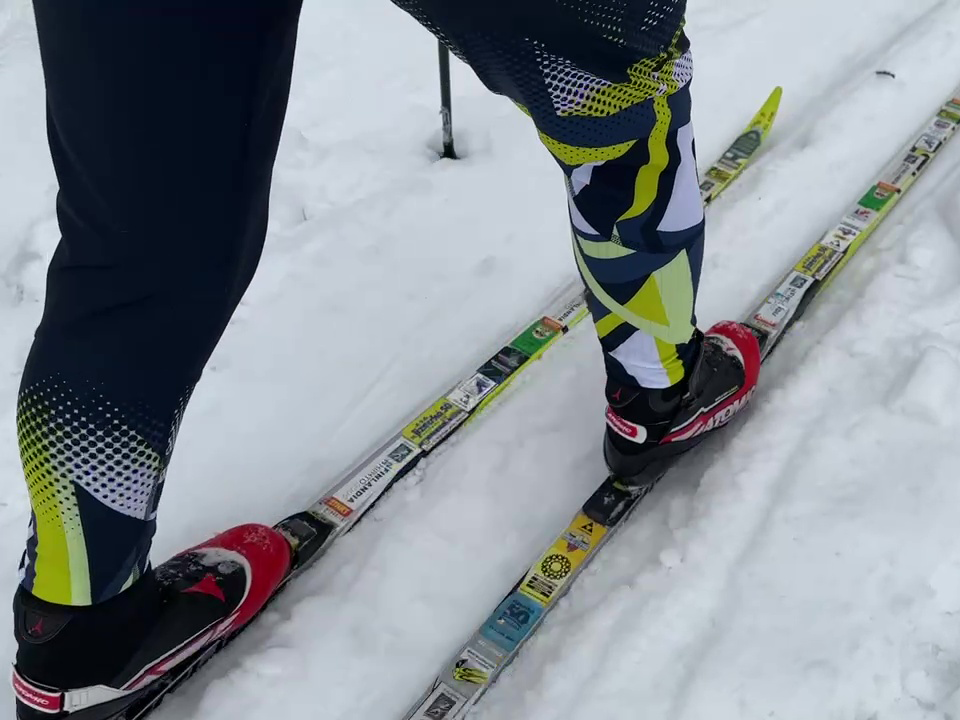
point(804, 565)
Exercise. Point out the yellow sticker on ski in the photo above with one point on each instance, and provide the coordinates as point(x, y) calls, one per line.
point(560, 562)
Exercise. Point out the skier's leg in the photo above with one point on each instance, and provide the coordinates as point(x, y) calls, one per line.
point(164, 119)
point(607, 85)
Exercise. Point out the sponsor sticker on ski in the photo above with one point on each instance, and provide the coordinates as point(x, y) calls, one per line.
point(471, 670)
point(769, 320)
point(929, 143)
point(743, 148)
point(737, 155)
point(442, 703)
point(340, 508)
point(912, 164)
point(899, 175)
point(369, 481)
point(818, 261)
point(576, 540)
point(950, 115)
point(513, 619)
point(828, 266)
point(537, 336)
point(841, 237)
point(570, 313)
point(941, 128)
point(878, 196)
point(504, 364)
point(730, 165)
point(782, 303)
point(719, 174)
point(917, 160)
point(860, 218)
point(468, 394)
point(434, 424)
point(558, 563)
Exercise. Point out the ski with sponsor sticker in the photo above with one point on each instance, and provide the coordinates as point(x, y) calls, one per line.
point(312, 531)
point(735, 159)
point(824, 260)
point(496, 642)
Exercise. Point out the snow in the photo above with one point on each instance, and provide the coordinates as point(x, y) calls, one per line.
point(804, 565)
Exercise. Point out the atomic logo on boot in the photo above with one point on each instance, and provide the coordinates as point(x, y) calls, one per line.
point(208, 586)
point(37, 628)
point(625, 428)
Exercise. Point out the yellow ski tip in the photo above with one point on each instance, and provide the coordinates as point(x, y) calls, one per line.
point(768, 112)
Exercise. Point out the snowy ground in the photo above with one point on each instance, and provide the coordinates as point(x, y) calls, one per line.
point(809, 570)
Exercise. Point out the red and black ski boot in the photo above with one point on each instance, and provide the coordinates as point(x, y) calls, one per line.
point(644, 426)
point(96, 662)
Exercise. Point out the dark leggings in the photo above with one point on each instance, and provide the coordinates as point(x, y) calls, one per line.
point(164, 119)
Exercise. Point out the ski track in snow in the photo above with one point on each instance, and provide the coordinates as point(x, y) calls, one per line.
point(803, 565)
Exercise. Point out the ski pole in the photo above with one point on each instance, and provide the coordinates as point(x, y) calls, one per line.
point(446, 110)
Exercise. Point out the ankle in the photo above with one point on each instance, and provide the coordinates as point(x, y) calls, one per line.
point(645, 406)
point(65, 647)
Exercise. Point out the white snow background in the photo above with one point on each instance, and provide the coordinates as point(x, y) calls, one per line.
point(805, 565)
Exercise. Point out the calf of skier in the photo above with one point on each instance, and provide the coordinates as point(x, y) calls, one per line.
point(164, 120)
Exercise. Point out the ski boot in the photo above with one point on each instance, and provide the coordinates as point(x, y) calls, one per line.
point(103, 661)
point(645, 427)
